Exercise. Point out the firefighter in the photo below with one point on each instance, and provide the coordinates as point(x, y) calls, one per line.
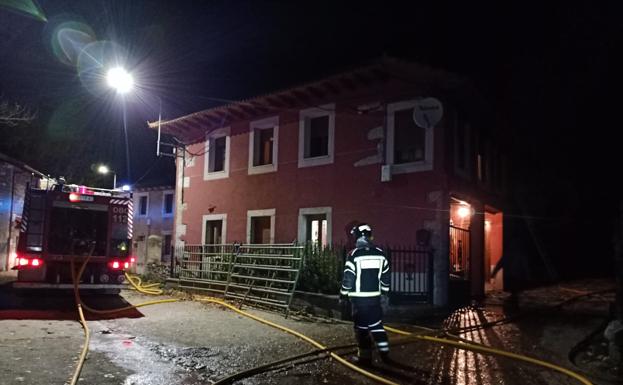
point(365, 280)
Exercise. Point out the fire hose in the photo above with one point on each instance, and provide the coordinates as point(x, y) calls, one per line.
point(453, 341)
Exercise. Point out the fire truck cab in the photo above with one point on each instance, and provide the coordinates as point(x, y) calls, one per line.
point(68, 223)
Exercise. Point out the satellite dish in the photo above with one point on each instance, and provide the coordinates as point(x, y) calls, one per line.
point(427, 112)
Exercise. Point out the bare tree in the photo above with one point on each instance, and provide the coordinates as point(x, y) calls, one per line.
point(12, 114)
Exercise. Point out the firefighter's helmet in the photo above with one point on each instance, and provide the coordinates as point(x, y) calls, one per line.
point(362, 230)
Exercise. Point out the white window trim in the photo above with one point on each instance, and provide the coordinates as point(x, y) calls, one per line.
point(207, 175)
point(272, 122)
point(138, 205)
point(302, 227)
point(261, 213)
point(304, 115)
point(164, 203)
point(214, 217)
point(424, 165)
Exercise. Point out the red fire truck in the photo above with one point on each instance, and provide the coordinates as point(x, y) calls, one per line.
point(69, 222)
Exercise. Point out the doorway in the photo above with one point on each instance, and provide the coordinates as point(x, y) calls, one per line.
point(494, 233)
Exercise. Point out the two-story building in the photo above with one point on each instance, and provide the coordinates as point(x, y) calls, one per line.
point(152, 225)
point(305, 163)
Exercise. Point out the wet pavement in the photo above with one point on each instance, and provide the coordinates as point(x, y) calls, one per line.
point(194, 343)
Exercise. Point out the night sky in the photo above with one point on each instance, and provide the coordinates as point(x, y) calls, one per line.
point(546, 71)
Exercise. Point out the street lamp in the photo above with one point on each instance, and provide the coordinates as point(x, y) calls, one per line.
point(103, 169)
point(119, 79)
point(123, 82)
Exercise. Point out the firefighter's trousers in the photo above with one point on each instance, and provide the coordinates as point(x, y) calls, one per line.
point(368, 324)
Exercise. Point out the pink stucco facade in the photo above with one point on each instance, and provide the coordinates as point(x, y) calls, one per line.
point(359, 182)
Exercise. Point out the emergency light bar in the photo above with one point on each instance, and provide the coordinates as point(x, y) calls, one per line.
point(73, 197)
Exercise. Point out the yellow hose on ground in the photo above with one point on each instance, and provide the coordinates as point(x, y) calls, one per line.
point(485, 349)
point(299, 335)
point(85, 347)
point(460, 343)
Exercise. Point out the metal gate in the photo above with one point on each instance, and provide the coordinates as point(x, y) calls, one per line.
point(459, 252)
point(260, 274)
point(411, 273)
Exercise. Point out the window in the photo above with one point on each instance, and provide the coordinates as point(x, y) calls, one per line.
point(143, 205)
point(409, 147)
point(217, 156)
point(315, 225)
point(263, 145)
point(316, 136)
point(167, 205)
point(166, 246)
point(261, 226)
point(214, 229)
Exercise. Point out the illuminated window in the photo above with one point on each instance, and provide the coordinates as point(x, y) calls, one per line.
point(315, 225)
point(316, 136)
point(263, 145)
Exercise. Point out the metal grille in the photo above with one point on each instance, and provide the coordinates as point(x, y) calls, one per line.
point(260, 274)
point(411, 272)
point(206, 267)
point(459, 252)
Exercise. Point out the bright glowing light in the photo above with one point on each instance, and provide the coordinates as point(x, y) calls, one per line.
point(132, 259)
point(125, 187)
point(119, 79)
point(73, 197)
point(463, 211)
point(126, 265)
point(103, 169)
point(115, 265)
point(35, 262)
point(23, 262)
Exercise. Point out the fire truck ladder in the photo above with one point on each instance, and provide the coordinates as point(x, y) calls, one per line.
point(265, 275)
point(33, 222)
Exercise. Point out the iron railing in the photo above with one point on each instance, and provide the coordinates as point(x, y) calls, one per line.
point(459, 252)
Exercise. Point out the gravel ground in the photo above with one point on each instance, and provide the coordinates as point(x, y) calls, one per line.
point(195, 343)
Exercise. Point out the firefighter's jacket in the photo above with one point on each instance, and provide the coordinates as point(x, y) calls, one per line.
point(366, 273)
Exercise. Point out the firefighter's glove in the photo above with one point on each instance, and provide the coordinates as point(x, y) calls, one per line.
point(343, 300)
point(384, 300)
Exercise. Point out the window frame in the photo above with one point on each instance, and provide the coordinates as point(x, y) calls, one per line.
point(422, 165)
point(216, 134)
point(266, 123)
point(138, 199)
point(214, 217)
point(304, 116)
point(164, 203)
point(302, 222)
point(261, 213)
